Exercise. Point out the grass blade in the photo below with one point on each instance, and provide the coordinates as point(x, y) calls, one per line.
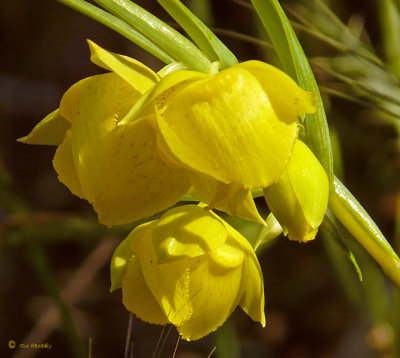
point(165, 37)
point(202, 36)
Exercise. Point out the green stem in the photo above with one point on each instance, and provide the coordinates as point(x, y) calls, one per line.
point(119, 26)
point(202, 36)
point(43, 271)
point(356, 220)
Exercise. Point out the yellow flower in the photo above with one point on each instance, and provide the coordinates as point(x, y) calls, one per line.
point(133, 142)
point(300, 198)
point(189, 268)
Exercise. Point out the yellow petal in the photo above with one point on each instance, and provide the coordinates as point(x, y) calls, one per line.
point(64, 165)
point(118, 165)
point(49, 131)
point(287, 99)
point(214, 294)
point(225, 127)
point(230, 198)
point(137, 297)
point(169, 284)
point(136, 183)
point(139, 76)
point(121, 255)
point(252, 300)
point(300, 198)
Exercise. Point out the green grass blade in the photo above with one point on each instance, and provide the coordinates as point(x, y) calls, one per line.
point(169, 40)
point(357, 221)
point(202, 36)
point(296, 65)
point(390, 23)
point(329, 231)
point(42, 269)
point(119, 26)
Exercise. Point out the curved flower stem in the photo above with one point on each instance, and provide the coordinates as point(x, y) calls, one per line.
point(356, 220)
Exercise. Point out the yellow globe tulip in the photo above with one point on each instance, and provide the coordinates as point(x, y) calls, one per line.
point(133, 142)
point(190, 269)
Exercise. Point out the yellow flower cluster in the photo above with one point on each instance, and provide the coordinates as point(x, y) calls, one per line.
point(133, 143)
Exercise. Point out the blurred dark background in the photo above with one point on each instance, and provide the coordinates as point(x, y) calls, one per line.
point(49, 238)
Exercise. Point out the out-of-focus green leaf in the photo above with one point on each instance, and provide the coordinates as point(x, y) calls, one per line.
point(203, 37)
point(227, 341)
point(119, 26)
point(390, 23)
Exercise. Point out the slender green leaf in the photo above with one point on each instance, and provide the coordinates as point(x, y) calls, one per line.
point(342, 259)
point(42, 269)
point(296, 65)
point(356, 220)
point(202, 36)
point(329, 231)
point(165, 37)
point(390, 22)
point(119, 26)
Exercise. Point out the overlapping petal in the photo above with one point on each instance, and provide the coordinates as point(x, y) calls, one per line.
point(287, 98)
point(230, 198)
point(137, 297)
point(64, 165)
point(225, 127)
point(117, 165)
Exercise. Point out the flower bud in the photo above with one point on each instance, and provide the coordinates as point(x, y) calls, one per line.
point(300, 198)
point(190, 269)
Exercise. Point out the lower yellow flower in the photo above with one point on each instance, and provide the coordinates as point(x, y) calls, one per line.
point(189, 268)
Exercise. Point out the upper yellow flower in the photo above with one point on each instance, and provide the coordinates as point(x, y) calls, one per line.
point(133, 142)
point(189, 268)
